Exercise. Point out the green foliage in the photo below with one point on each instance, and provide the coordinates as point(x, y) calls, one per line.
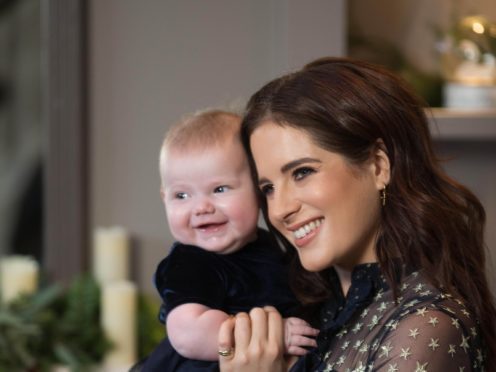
point(150, 330)
point(84, 341)
point(53, 326)
point(62, 326)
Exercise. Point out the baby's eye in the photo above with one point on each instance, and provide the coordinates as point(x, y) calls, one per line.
point(301, 173)
point(180, 195)
point(267, 189)
point(220, 189)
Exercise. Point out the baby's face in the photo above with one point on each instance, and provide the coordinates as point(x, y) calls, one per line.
point(209, 197)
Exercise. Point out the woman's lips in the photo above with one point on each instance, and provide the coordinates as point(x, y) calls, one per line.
point(306, 232)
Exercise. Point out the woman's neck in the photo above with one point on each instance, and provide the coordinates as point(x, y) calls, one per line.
point(344, 278)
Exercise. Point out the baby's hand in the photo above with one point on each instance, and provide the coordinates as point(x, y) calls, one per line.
point(297, 335)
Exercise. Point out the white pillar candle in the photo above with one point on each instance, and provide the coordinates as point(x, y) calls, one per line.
point(110, 254)
point(119, 308)
point(18, 275)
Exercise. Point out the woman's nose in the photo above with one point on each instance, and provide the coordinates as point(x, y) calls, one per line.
point(204, 206)
point(283, 205)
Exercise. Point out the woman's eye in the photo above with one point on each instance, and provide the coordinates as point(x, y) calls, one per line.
point(220, 189)
point(266, 190)
point(301, 173)
point(180, 195)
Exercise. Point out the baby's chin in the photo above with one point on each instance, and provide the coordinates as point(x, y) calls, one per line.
point(223, 247)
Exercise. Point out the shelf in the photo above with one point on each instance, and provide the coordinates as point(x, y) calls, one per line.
point(463, 125)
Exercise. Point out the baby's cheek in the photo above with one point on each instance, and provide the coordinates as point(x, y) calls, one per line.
point(178, 222)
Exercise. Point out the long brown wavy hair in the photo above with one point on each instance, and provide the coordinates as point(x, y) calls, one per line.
point(430, 222)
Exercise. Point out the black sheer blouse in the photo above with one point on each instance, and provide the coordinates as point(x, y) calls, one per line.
point(423, 330)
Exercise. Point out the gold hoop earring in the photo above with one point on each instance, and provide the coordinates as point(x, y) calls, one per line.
point(383, 195)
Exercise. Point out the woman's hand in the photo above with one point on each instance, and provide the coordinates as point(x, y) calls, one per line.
point(252, 342)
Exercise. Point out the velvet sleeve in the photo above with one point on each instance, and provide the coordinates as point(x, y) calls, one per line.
point(190, 275)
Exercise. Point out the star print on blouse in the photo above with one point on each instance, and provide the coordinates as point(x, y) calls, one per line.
point(378, 331)
point(385, 350)
point(464, 343)
point(455, 322)
point(452, 350)
point(357, 327)
point(421, 367)
point(433, 321)
point(382, 307)
point(393, 368)
point(405, 353)
point(434, 344)
point(422, 311)
point(414, 332)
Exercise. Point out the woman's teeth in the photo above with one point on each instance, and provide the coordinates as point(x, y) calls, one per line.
point(306, 229)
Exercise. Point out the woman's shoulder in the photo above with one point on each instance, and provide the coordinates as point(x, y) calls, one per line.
point(419, 297)
point(439, 335)
point(433, 326)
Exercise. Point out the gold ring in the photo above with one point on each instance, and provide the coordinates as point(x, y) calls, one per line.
point(225, 353)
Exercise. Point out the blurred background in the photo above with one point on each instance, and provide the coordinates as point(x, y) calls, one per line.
point(88, 88)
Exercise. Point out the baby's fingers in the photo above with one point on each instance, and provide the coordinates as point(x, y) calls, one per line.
point(300, 327)
point(297, 351)
point(299, 345)
point(306, 331)
point(297, 340)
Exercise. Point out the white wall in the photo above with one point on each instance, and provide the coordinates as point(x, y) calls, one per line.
point(152, 61)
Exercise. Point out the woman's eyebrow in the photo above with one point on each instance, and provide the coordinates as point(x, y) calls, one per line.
point(291, 165)
point(295, 163)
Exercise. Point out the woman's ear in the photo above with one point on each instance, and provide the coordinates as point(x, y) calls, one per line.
point(381, 164)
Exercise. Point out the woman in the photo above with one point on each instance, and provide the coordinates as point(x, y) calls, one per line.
point(388, 246)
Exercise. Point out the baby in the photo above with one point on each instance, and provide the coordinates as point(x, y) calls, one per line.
point(222, 263)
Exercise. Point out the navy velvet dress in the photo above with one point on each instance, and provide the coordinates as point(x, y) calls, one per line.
point(254, 276)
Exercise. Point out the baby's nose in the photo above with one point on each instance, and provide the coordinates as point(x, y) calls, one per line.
point(204, 206)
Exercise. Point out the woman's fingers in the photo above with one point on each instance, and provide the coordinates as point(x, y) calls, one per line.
point(226, 334)
point(276, 329)
point(252, 343)
point(276, 325)
point(226, 343)
point(242, 331)
point(259, 325)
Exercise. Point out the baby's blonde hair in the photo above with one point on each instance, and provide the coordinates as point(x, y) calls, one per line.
point(200, 131)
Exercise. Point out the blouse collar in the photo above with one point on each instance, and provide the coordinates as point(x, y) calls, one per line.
point(366, 282)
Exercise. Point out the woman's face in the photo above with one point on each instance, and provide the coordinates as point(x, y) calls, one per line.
point(328, 209)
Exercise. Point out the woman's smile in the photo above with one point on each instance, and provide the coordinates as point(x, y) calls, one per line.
point(305, 233)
